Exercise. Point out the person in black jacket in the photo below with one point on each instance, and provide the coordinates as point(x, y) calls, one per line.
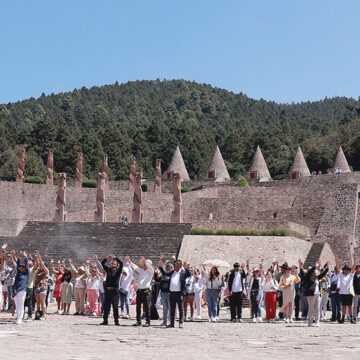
point(111, 287)
point(236, 289)
point(164, 285)
point(312, 289)
point(177, 287)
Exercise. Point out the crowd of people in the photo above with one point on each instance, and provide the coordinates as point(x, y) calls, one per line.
point(279, 292)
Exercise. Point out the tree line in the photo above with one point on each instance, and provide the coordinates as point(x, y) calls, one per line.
point(148, 119)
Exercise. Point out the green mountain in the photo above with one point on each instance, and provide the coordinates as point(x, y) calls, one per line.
point(148, 119)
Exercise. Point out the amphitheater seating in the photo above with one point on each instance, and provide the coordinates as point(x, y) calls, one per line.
point(80, 241)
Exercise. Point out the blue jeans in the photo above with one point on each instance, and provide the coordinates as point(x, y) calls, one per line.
point(10, 301)
point(304, 306)
point(212, 304)
point(102, 300)
point(124, 301)
point(165, 296)
point(335, 306)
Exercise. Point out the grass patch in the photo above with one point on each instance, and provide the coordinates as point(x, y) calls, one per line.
point(246, 232)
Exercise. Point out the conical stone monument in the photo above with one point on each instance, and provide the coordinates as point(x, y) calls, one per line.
point(217, 170)
point(341, 165)
point(298, 168)
point(258, 169)
point(177, 166)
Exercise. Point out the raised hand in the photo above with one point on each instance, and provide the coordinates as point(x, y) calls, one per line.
point(70, 261)
point(52, 261)
point(161, 256)
point(127, 259)
point(173, 256)
point(4, 246)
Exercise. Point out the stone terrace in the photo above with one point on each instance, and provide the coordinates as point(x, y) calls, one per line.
point(80, 241)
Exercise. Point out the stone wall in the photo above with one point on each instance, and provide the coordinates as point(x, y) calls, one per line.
point(198, 248)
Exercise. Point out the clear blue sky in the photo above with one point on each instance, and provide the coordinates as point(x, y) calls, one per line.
point(281, 50)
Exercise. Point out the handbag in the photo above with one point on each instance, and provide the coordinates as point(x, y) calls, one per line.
point(123, 292)
point(215, 293)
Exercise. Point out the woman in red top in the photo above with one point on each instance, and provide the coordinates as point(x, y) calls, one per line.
point(58, 284)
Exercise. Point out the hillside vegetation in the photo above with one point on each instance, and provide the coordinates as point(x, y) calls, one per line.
point(148, 119)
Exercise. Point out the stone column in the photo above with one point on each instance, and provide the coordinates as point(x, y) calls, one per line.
point(50, 168)
point(132, 173)
point(137, 215)
point(100, 215)
point(60, 213)
point(21, 166)
point(105, 170)
point(157, 186)
point(177, 214)
point(79, 170)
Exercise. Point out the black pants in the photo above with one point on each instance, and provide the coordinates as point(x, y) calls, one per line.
point(29, 301)
point(143, 297)
point(297, 303)
point(111, 298)
point(280, 302)
point(254, 303)
point(176, 298)
point(236, 304)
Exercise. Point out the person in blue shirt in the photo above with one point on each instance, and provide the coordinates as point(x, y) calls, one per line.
point(20, 285)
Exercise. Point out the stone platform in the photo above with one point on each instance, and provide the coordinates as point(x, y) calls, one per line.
point(70, 337)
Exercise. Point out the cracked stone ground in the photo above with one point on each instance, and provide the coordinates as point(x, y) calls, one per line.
point(70, 337)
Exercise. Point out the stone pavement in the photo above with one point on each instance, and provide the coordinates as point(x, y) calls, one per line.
point(71, 337)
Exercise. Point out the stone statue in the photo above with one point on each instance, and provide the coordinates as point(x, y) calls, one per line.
point(132, 173)
point(79, 170)
point(60, 213)
point(21, 166)
point(177, 214)
point(137, 215)
point(50, 168)
point(100, 198)
point(105, 169)
point(157, 186)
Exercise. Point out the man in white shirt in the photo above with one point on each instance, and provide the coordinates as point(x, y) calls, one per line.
point(236, 288)
point(345, 280)
point(143, 293)
point(177, 287)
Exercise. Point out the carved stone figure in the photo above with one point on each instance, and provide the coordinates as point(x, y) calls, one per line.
point(137, 215)
point(60, 213)
point(100, 198)
point(177, 214)
point(132, 173)
point(21, 166)
point(50, 168)
point(105, 169)
point(79, 170)
point(157, 186)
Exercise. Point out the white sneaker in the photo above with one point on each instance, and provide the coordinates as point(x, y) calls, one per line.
point(18, 321)
point(239, 320)
point(122, 315)
point(60, 312)
point(259, 319)
point(210, 319)
point(254, 320)
point(126, 317)
point(93, 314)
point(291, 320)
point(287, 321)
point(317, 324)
point(199, 317)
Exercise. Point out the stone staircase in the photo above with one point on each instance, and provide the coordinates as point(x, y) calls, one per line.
point(314, 254)
point(80, 241)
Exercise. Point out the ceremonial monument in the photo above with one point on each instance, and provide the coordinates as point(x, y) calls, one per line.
point(321, 211)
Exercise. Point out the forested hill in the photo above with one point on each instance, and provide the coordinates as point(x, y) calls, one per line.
point(148, 119)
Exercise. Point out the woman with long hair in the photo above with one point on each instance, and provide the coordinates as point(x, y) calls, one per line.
point(213, 292)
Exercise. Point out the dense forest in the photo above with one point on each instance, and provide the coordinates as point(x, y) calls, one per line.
point(148, 119)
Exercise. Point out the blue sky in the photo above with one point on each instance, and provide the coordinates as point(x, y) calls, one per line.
point(281, 50)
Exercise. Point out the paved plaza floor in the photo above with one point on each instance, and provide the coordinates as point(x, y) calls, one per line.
point(80, 337)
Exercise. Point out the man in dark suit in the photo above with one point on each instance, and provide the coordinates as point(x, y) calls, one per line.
point(177, 287)
point(236, 286)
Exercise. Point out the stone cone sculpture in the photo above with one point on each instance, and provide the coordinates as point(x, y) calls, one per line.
point(177, 166)
point(217, 169)
point(258, 166)
point(299, 166)
point(341, 162)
